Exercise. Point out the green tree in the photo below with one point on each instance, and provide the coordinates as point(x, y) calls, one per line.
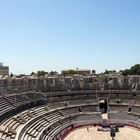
point(72, 72)
point(134, 70)
point(32, 73)
point(94, 71)
point(41, 73)
point(11, 75)
point(53, 73)
point(109, 71)
point(106, 71)
point(125, 72)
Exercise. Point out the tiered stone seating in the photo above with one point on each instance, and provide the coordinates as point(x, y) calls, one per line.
point(18, 121)
point(16, 100)
point(118, 108)
point(119, 101)
point(35, 121)
point(52, 106)
point(89, 108)
point(67, 125)
point(23, 98)
point(123, 114)
point(70, 111)
point(13, 124)
point(122, 117)
point(88, 118)
point(75, 102)
point(7, 133)
point(4, 106)
point(31, 96)
point(43, 121)
point(48, 135)
point(37, 125)
point(135, 109)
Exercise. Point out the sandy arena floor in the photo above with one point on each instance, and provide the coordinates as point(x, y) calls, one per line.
point(126, 133)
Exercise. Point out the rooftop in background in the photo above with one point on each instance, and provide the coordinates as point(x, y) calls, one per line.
point(76, 71)
point(1, 64)
point(4, 70)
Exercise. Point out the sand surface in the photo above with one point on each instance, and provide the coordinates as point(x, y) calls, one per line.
point(126, 133)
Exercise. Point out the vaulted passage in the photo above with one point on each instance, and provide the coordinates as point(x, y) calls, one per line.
point(103, 106)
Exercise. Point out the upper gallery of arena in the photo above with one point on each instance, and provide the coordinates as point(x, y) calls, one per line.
point(69, 80)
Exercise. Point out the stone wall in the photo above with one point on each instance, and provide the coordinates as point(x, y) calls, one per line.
point(59, 83)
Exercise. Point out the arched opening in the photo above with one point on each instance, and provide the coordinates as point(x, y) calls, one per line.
point(103, 106)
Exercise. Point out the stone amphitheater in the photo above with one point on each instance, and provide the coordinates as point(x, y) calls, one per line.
point(49, 108)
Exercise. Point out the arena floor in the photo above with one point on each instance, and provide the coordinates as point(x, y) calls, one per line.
point(126, 133)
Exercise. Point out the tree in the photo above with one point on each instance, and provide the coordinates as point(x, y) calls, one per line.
point(32, 73)
point(134, 70)
point(109, 71)
point(53, 73)
point(106, 71)
point(125, 72)
point(94, 71)
point(11, 75)
point(72, 72)
point(41, 73)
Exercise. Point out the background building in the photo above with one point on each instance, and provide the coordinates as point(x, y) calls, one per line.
point(77, 71)
point(4, 70)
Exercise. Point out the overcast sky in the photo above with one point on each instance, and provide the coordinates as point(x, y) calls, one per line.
point(61, 34)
